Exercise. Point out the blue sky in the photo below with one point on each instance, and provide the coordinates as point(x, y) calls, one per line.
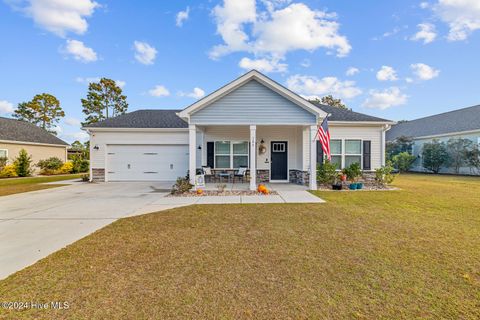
point(407, 59)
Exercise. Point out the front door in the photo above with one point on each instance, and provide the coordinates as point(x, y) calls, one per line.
point(279, 160)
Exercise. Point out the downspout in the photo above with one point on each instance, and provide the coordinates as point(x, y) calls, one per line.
point(385, 128)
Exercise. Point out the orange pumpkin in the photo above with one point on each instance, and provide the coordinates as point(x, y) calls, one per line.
point(266, 191)
point(262, 188)
point(199, 191)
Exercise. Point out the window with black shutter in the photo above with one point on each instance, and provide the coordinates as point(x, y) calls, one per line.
point(367, 155)
point(210, 154)
point(319, 153)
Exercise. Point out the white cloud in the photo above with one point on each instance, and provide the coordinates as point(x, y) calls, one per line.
point(120, 83)
point(462, 17)
point(310, 86)
point(426, 33)
point(80, 52)
point(144, 53)
point(424, 71)
point(197, 93)
point(385, 99)
point(58, 16)
point(88, 80)
point(306, 63)
point(182, 16)
point(387, 73)
point(352, 71)
point(81, 136)
point(263, 65)
point(57, 129)
point(408, 80)
point(72, 122)
point(276, 31)
point(424, 5)
point(6, 107)
point(159, 91)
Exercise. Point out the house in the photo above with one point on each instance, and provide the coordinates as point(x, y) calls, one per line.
point(462, 123)
point(39, 143)
point(252, 121)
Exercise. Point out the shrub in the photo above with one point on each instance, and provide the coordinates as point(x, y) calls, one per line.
point(8, 171)
point(3, 162)
point(353, 172)
point(79, 164)
point(182, 185)
point(434, 155)
point(473, 159)
point(403, 161)
point(23, 164)
point(50, 165)
point(326, 172)
point(457, 150)
point(67, 167)
point(384, 175)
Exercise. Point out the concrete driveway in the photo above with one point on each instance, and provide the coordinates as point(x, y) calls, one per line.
point(36, 224)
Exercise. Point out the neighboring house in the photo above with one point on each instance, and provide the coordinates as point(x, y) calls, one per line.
point(463, 123)
point(224, 129)
point(40, 144)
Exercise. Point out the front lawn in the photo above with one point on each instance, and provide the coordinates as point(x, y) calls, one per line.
point(19, 185)
point(413, 253)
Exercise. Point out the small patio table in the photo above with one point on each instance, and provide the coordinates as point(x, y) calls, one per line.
point(223, 175)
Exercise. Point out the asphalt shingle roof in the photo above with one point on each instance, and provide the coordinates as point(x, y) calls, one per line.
point(143, 119)
point(465, 119)
point(169, 119)
point(16, 130)
point(339, 114)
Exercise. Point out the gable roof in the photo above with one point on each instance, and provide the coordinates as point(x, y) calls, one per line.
point(143, 119)
point(466, 119)
point(339, 114)
point(21, 131)
point(261, 78)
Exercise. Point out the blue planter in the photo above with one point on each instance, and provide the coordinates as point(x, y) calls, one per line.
point(352, 186)
point(359, 185)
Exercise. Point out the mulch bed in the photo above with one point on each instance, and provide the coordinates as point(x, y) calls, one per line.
point(207, 193)
point(366, 187)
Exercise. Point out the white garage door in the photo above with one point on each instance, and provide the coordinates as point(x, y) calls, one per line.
point(146, 162)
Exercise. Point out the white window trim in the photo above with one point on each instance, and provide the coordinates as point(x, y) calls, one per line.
point(6, 152)
point(344, 152)
point(231, 154)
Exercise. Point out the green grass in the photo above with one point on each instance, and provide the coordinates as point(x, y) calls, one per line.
point(20, 185)
point(413, 253)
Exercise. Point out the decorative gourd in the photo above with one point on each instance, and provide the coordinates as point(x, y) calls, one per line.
point(262, 188)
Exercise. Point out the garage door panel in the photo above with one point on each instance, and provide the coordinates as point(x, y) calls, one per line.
point(146, 162)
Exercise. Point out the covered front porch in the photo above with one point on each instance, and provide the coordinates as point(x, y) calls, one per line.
point(280, 155)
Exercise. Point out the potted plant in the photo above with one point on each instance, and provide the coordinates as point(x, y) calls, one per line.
point(353, 172)
point(337, 183)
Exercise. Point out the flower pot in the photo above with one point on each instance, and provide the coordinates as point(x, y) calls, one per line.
point(359, 185)
point(352, 186)
point(337, 186)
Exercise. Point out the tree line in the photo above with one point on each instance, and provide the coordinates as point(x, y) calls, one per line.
point(104, 100)
point(435, 155)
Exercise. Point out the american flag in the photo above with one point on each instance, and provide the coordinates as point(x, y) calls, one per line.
point(324, 137)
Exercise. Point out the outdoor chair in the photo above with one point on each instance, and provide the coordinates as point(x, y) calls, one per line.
point(207, 172)
point(240, 174)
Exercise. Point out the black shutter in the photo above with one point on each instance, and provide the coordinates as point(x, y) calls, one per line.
point(319, 153)
point(366, 155)
point(210, 160)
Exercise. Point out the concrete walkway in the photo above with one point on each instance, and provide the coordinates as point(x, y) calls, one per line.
point(36, 224)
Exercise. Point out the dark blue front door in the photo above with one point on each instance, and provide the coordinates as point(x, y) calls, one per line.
point(279, 163)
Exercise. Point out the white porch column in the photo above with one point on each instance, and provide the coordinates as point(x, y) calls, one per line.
point(192, 147)
point(253, 158)
point(313, 158)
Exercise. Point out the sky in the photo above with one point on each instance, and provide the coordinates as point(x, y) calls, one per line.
point(396, 59)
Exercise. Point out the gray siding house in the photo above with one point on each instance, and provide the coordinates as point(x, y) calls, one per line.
point(462, 123)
